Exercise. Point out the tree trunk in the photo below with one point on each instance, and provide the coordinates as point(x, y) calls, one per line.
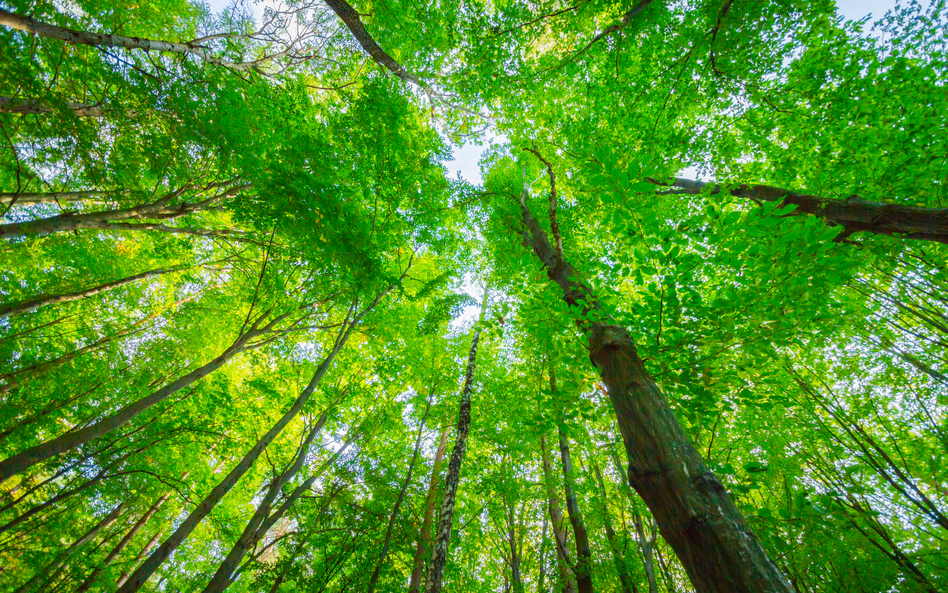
point(853, 213)
point(541, 578)
point(90, 580)
point(56, 197)
point(69, 441)
point(563, 562)
point(646, 544)
point(583, 566)
point(249, 537)
point(628, 584)
point(398, 502)
point(44, 576)
point(138, 558)
point(516, 580)
point(26, 306)
point(424, 537)
point(695, 514)
point(138, 579)
point(34, 107)
point(439, 554)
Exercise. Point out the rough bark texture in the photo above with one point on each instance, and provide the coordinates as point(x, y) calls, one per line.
point(32, 305)
point(439, 554)
point(25, 459)
point(853, 213)
point(398, 503)
point(138, 579)
point(695, 514)
point(424, 537)
point(583, 566)
point(563, 562)
point(618, 558)
point(251, 533)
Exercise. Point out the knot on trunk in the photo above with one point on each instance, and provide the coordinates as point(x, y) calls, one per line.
point(707, 483)
point(604, 339)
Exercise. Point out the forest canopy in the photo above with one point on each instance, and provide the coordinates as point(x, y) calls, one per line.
point(688, 333)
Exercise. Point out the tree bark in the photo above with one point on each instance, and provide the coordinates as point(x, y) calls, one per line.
point(516, 579)
point(251, 533)
point(138, 558)
point(618, 558)
point(140, 576)
point(563, 562)
point(646, 544)
point(583, 566)
point(32, 305)
point(398, 502)
point(695, 514)
point(853, 213)
point(32, 198)
point(541, 553)
point(69, 441)
point(34, 107)
point(439, 554)
point(424, 537)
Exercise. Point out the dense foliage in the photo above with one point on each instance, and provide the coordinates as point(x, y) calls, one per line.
point(245, 313)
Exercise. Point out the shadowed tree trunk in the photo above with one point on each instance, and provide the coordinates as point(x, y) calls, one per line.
point(31, 198)
point(618, 558)
point(138, 558)
point(583, 566)
point(541, 553)
point(53, 299)
point(424, 537)
point(563, 562)
point(645, 544)
point(694, 512)
point(439, 554)
point(398, 502)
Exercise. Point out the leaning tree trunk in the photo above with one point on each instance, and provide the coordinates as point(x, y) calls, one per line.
point(398, 503)
point(424, 537)
point(138, 558)
point(439, 554)
point(853, 213)
point(140, 576)
point(53, 299)
point(69, 441)
point(247, 539)
point(618, 558)
point(563, 562)
point(583, 566)
point(695, 514)
point(646, 544)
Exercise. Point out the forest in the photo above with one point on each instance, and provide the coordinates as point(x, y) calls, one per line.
point(686, 331)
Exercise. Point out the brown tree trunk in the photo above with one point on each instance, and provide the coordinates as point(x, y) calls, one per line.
point(34, 107)
point(646, 545)
point(618, 558)
point(694, 512)
point(32, 305)
point(138, 558)
point(563, 562)
point(424, 537)
point(516, 579)
point(583, 566)
point(541, 556)
point(398, 502)
point(31, 198)
point(69, 441)
point(853, 213)
point(439, 554)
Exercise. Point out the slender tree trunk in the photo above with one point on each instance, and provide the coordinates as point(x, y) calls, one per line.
point(541, 554)
point(56, 197)
point(628, 583)
point(140, 576)
point(49, 573)
point(563, 562)
point(853, 213)
point(583, 564)
point(516, 580)
point(69, 441)
point(646, 545)
point(439, 554)
point(694, 512)
point(138, 558)
point(424, 537)
point(53, 299)
point(90, 580)
point(249, 537)
point(34, 107)
point(398, 502)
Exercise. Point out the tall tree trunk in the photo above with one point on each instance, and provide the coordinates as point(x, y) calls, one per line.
point(161, 209)
point(583, 566)
point(853, 213)
point(90, 580)
point(138, 579)
point(516, 580)
point(69, 441)
point(694, 512)
point(138, 558)
point(439, 554)
point(563, 562)
point(424, 537)
point(31, 198)
point(247, 539)
point(32, 305)
point(35, 107)
point(646, 545)
point(541, 555)
point(50, 572)
point(618, 558)
point(398, 502)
